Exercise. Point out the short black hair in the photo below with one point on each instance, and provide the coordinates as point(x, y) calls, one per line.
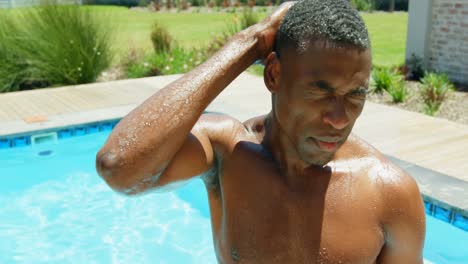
point(335, 22)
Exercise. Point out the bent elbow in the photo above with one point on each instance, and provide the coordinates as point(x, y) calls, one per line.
point(107, 166)
point(122, 179)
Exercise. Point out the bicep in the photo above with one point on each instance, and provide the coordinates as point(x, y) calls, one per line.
point(195, 157)
point(404, 223)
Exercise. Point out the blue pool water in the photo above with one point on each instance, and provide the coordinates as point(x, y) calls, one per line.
point(55, 209)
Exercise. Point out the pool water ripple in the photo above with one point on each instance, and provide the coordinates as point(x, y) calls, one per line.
point(80, 220)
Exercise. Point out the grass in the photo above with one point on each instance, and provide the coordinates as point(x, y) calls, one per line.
point(190, 30)
point(387, 31)
point(388, 36)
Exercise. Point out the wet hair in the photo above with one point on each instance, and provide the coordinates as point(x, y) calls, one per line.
point(333, 23)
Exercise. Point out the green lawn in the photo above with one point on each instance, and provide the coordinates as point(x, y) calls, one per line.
point(387, 31)
point(388, 37)
point(132, 28)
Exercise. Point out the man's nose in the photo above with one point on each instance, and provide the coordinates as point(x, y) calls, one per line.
point(336, 115)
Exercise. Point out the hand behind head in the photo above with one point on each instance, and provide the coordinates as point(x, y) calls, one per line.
point(265, 31)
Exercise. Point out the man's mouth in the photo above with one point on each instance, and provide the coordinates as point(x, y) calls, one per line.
point(327, 144)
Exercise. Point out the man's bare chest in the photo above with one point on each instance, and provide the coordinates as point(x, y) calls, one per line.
point(272, 231)
point(260, 220)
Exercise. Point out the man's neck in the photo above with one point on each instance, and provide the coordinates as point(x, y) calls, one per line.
point(293, 168)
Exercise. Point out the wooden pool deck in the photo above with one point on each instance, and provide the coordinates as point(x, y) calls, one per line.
point(428, 142)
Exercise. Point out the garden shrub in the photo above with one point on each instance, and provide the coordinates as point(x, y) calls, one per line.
point(260, 2)
point(362, 5)
point(196, 2)
point(211, 4)
point(398, 90)
point(183, 5)
point(383, 79)
point(384, 5)
point(248, 18)
point(216, 44)
point(178, 60)
point(161, 38)
point(126, 3)
point(53, 45)
point(415, 68)
point(13, 69)
point(435, 88)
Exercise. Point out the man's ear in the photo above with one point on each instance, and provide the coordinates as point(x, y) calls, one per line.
point(271, 74)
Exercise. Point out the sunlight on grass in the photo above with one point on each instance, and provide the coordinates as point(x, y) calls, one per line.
point(132, 28)
point(388, 36)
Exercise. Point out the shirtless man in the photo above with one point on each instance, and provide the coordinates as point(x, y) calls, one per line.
point(292, 186)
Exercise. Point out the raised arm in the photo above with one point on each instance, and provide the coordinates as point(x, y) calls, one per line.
point(404, 220)
point(161, 138)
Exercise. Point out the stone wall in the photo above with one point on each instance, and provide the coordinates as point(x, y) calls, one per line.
point(448, 39)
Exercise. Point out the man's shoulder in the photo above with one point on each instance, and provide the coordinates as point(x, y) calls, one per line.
point(222, 130)
point(394, 185)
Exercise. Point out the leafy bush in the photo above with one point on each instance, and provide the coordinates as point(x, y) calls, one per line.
point(126, 3)
point(160, 37)
point(398, 90)
point(216, 44)
point(183, 5)
point(383, 79)
point(52, 45)
point(415, 68)
point(362, 5)
point(435, 88)
point(196, 2)
point(384, 5)
point(248, 18)
point(178, 60)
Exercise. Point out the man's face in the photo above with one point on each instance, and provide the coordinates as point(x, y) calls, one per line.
point(320, 94)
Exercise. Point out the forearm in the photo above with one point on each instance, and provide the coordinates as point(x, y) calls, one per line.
point(144, 142)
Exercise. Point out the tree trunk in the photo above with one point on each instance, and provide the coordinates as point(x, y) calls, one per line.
point(392, 6)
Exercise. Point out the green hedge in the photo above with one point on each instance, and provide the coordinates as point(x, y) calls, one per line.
point(127, 3)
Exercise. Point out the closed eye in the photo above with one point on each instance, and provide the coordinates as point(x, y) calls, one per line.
point(359, 92)
point(322, 86)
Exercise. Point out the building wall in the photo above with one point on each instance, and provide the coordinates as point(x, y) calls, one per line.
point(448, 39)
point(438, 33)
point(419, 21)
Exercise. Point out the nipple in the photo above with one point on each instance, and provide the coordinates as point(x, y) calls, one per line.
point(234, 255)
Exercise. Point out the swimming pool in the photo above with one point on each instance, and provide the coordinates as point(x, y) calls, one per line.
point(54, 208)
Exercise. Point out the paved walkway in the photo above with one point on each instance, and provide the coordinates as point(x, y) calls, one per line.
point(429, 142)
